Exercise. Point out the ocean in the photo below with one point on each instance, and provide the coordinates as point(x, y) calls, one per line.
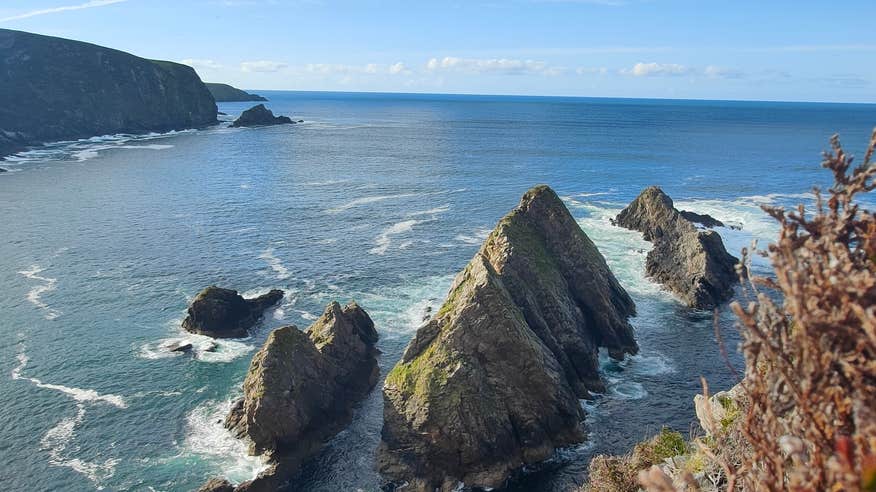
point(381, 198)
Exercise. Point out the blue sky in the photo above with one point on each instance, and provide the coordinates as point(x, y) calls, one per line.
point(764, 50)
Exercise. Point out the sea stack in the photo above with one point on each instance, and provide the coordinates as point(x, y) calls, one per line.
point(223, 313)
point(260, 116)
point(301, 389)
point(60, 89)
point(492, 381)
point(689, 261)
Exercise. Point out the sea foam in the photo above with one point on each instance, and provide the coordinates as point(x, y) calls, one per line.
point(34, 296)
point(58, 439)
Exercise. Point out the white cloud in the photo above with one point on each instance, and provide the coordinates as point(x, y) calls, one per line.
point(716, 72)
point(64, 8)
point(491, 65)
point(368, 69)
point(398, 68)
point(655, 69)
point(201, 64)
point(262, 66)
point(591, 71)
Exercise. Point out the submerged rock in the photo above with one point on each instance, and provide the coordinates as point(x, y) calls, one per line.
point(260, 116)
point(223, 313)
point(692, 263)
point(492, 381)
point(301, 388)
point(179, 347)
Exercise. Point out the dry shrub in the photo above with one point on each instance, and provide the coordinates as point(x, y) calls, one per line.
point(810, 381)
point(618, 473)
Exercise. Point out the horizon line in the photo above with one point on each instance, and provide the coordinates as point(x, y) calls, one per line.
point(545, 96)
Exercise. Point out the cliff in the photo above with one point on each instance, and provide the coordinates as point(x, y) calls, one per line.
point(492, 382)
point(60, 89)
point(227, 93)
point(690, 262)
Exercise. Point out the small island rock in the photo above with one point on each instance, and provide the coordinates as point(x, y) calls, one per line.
point(491, 383)
point(223, 313)
point(690, 262)
point(301, 389)
point(260, 116)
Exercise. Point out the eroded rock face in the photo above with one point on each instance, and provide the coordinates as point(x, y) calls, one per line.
point(691, 262)
point(60, 89)
point(492, 381)
point(260, 116)
point(223, 313)
point(301, 389)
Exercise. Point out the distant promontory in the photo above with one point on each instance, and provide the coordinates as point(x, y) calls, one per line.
point(227, 93)
point(60, 89)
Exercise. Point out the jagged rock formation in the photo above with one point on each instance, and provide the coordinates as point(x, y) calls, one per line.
point(227, 93)
point(301, 388)
point(223, 313)
point(492, 381)
point(691, 262)
point(260, 116)
point(704, 220)
point(59, 89)
point(216, 485)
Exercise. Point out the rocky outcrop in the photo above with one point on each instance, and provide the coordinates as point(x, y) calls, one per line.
point(227, 93)
point(301, 388)
point(492, 381)
point(704, 220)
point(59, 89)
point(216, 485)
point(260, 116)
point(223, 313)
point(690, 262)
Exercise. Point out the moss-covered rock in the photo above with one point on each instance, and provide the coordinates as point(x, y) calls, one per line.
point(691, 262)
point(301, 389)
point(492, 382)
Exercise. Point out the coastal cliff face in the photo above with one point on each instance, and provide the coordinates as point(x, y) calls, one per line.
point(691, 262)
point(60, 89)
point(301, 389)
point(492, 382)
point(227, 93)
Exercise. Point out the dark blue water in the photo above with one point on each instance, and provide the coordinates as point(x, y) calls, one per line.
point(380, 198)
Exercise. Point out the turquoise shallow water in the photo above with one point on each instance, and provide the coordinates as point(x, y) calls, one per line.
point(381, 198)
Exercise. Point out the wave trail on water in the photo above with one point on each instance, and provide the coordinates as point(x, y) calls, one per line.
point(59, 440)
point(34, 296)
